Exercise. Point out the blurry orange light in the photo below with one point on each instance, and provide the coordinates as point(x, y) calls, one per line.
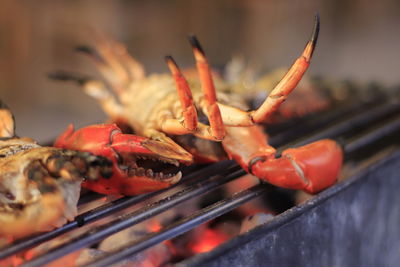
point(210, 239)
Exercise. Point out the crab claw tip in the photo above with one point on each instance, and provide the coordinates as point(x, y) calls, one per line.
point(172, 64)
point(170, 60)
point(68, 76)
point(311, 44)
point(195, 44)
point(315, 32)
point(90, 51)
point(84, 49)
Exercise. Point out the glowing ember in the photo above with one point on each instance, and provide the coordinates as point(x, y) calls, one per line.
point(16, 261)
point(29, 254)
point(210, 239)
point(154, 226)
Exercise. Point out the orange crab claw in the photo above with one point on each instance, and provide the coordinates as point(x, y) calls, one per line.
point(135, 159)
point(311, 168)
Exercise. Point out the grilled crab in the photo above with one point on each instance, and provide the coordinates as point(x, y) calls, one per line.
point(135, 159)
point(199, 123)
point(39, 186)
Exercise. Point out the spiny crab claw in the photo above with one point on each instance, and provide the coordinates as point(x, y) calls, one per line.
point(311, 168)
point(139, 163)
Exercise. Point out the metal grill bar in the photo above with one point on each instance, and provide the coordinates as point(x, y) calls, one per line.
point(99, 233)
point(103, 211)
point(357, 121)
point(117, 205)
point(87, 198)
point(86, 217)
point(208, 183)
point(318, 121)
point(223, 206)
point(182, 226)
point(91, 238)
point(379, 132)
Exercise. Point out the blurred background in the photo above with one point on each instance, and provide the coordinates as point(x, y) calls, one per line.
point(359, 40)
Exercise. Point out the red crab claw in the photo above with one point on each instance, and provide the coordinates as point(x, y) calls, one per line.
point(136, 159)
point(311, 168)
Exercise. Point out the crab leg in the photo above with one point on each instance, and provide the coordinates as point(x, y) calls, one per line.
point(114, 62)
point(236, 117)
point(107, 53)
point(311, 168)
point(135, 69)
point(185, 96)
point(207, 84)
point(289, 81)
point(190, 123)
point(95, 89)
point(115, 75)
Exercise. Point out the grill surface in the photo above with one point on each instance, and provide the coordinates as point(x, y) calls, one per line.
point(363, 128)
point(352, 224)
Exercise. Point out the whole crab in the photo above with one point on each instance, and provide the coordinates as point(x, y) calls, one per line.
point(199, 123)
point(40, 186)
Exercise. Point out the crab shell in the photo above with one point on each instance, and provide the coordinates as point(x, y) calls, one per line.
point(26, 205)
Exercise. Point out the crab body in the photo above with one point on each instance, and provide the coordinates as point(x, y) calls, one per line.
point(144, 116)
point(201, 118)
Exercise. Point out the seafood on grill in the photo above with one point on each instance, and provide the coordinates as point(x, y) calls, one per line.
point(40, 186)
point(135, 159)
point(194, 121)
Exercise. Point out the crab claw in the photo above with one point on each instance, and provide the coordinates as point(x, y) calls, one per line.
point(140, 165)
point(311, 168)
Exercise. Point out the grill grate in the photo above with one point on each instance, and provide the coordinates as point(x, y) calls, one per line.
point(358, 125)
point(184, 225)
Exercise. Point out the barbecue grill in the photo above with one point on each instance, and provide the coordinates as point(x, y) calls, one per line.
point(348, 224)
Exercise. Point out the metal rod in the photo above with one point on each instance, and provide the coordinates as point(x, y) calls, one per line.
point(91, 216)
point(196, 219)
point(117, 205)
point(318, 121)
point(106, 210)
point(89, 197)
point(356, 121)
point(182, 226)
point(127, 220)
point(82, 241)
point(374, 135)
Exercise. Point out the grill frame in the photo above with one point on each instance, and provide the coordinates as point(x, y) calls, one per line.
point(366, 233)
point(378, 111)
